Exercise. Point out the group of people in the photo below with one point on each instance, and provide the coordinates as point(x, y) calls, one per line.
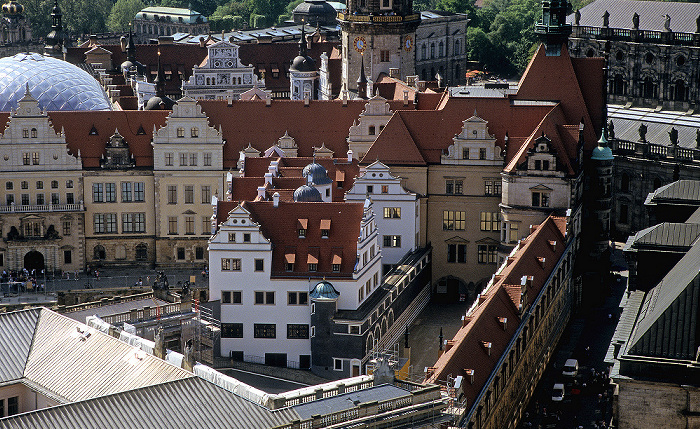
point(22, 280)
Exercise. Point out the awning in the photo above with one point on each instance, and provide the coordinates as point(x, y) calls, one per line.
point(339, 176)
point(290, 257)
point(325, 224)
point(303, 223)
point(312, 259)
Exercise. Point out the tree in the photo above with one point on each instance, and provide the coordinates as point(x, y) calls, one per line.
point(86, 16)
point(123, 12)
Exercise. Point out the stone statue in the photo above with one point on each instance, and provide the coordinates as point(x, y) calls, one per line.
point(635, 21)
point(643, 133)
point(606, 18)
point(611, 130)
point(667, 23)
point(673, 135)
point(577, 17)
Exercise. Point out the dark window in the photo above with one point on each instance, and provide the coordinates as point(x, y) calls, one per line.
point(264, 330)
point(99, 252)
point(199, 252)
point(259, 265)
point(231, 330)
point(623, 213)
point(625, 182)
point(246, 238)
point(297, 331)
point(67, 257)
point(141, 252)
point(181, 253)
point(12, 405)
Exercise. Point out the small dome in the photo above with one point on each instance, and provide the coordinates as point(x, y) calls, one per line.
point(319, 175)
point(303, 63)
point(55, 84)
point(324, 290)
point(315, 12)
point(126, 66)
point(159, 103)
point(602, 152)
point(307, 194)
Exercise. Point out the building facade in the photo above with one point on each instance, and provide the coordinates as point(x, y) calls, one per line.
point(155, 21)
point(441, 47)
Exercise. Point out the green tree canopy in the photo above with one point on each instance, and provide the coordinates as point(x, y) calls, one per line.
point(123, 12)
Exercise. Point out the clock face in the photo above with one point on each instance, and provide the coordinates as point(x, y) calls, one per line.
point(360, 44)
point(408, 44)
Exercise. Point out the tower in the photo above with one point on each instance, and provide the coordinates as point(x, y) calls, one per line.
point(552, 28)
point(303, 74)
point(56, 38)
point(383, 33)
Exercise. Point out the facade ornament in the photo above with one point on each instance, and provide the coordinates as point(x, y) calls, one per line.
point(667, 23)
point(635, 21)
point(673, 135)
point(606, 18)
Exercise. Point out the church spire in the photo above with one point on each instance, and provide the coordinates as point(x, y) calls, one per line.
point(362, 80)
point(55, 39)
point(302, 41)
point(552, 27)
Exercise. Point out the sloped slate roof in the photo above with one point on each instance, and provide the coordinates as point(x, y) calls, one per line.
point(668, 234)
point(16, 334)
point(191, 402)
point(668, 320)
point(651, 14)
point(680, 191)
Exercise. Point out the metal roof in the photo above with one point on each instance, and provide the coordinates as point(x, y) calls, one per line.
point(16, 334)
point(111, 309)
point(70, 361)
point(651, 14)
point(687, 191)
point(668, 234)
point(667, 323)
point(630, 307)
point(384, 392)
point(191, 402)
point(628, 119)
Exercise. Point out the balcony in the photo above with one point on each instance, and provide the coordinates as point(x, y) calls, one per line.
point(17, 208)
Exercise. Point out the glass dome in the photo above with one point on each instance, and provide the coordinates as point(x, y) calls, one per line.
point(56, 84)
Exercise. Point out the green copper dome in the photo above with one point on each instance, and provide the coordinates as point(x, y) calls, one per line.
point(602, 152)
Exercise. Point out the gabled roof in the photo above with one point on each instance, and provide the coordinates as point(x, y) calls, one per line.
point(668, 323)
point(16, 334)
point(484, 324)
point(675, 236)
point(281, 224)
point(683, 192)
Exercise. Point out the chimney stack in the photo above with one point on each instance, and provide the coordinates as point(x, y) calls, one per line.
point(268, 178)
point(349, 155)
point(261, 192)
point(276, 199)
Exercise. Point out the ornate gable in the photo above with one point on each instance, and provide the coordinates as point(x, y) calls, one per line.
point(473, 145)
point(542, 157)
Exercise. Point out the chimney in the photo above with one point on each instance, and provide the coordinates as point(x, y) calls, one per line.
point(394, 72)
point(541, 260)
point(533, 228)
point(159, 348)
point(276, 199)
point(229, 101)
point(261, 192)
point(268, 178)
point(268, 101)
point(405, 98)
point(272, 170)
point(345, 97)
point(349, 155)
point(306, 100)
point(229, 185)
point(470, 375)
point(202, 42)
point(487, 346)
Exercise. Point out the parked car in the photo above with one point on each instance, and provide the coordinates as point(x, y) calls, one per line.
point(558, 392)
point(570, 368)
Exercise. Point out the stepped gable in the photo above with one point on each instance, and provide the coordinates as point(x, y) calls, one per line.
point(89, 132)
point(282, 231)
point(468, 349)
point(554, 78)
point(321, 122)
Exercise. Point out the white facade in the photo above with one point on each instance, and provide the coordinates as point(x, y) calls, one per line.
point(240, 275)
point(223, 76)
point(397, 211)
point(371, 122)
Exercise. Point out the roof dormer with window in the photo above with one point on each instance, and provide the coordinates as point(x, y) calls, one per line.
point(542, 158)
point(473, 145)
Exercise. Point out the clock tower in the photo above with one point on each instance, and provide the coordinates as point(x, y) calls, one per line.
point(379, 33)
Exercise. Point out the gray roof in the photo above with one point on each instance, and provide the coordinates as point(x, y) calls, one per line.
point(628, 119)
point(117, 308)
point(680, 191)
point(681, 235)
point(384, 392)
point(16, 334)
point(630, 304)
point(668, 320)
point(651, 14)
point(191, 402)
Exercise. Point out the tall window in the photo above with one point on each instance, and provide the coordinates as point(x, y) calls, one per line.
point(25, 199)
point(172, 194)
point(139, 194)
point(457, 47)
point(441, 49)
point(193, 159)
point(453, 220)
point(392, 241)
point(514, 232)
point(40, 199)
point(194, 132)
point(490, 221)
point(183, 160)
point(457, 253)
point(169, 159)
point(180, 132)
point(189, 224)
point(25, 158)
point(486, 254)
point(422, 53)
point(384, 54)
point(97, 193)
point(189, 194)
point(206, 225)
point(141, 252)
point(66, 227)
point(492, 187)
point(110, 193)
point(55, 199)
point(207, 159)
point(35, 158)
point(127, 195)
point(540, 199)
point(172, 225)
point(432, 50)
point(206, 194)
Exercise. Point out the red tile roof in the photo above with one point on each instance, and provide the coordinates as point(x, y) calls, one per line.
point(281, 224)
point(501, 300)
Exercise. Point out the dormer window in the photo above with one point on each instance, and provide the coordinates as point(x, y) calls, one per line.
point(325, 228)
point(25, 133)
point(246, 238)
point(482, 153)
point(180, 132)
point(34, 133)
point(325, 233)
point(336, 268)
point(302, 232)
point(313, 267)
point(371, 130)
point(194, 132)
point(538, 164)
point(465, 153)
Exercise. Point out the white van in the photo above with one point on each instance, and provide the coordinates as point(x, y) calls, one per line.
point(570, 368)
point(558, 392)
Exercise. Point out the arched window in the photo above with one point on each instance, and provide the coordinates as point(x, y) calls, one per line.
point(432, 50)
point(422, 52)
point(194, 132)
point(590, 53)
point(457, 48)
point(54, 184)
point(618, 85)
point(625, 182)
point(181, 132)
point(680, 91)
point(458, 78)
point(441, 49)
point(100, 253)
point(34, 133)
point(648, 88)
point(141, 252)
point(370, 343)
